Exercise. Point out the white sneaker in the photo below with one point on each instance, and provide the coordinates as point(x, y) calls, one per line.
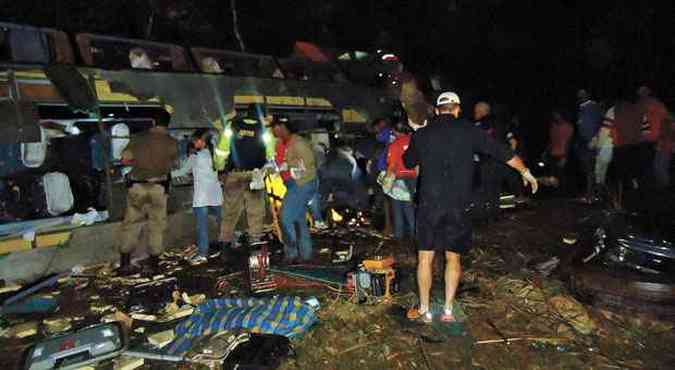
point(320, 225)
point(197, 260)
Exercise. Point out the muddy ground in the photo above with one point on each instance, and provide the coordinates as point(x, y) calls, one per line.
point(516, 317)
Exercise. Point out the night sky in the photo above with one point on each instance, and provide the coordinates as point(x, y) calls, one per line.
point(531, 55)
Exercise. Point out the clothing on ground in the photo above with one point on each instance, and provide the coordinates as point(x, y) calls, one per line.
point(282, 315)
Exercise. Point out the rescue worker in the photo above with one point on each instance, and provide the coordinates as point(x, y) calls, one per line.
point(241, 155)
point(490, 174)
point(151, 155)
point(444, 150)
point(296, 161)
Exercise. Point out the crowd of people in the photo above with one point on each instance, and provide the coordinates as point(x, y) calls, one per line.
point(228, 180)
point(426, 176)
point(626, 142)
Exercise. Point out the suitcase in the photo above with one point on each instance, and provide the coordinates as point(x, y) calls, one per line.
point(77, 349)
point(52, 195)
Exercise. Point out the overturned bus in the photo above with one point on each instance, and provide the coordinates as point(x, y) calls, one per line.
point(70, 103)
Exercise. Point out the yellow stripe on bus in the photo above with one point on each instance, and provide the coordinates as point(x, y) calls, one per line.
point(248, 99)
point(285, 100)
point(318, 102)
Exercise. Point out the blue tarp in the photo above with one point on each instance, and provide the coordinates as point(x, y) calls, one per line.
point(288, 316)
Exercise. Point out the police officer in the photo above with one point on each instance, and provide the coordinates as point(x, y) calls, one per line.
point(241, 153)
point(151, 154)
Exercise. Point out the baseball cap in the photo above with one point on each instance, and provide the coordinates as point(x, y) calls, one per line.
point(447, 97)
point(279, 119)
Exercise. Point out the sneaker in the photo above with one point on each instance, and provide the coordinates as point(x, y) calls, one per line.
point(216, 248)
point(255, 241)
point(447, 316)
point(416, 314)
point(197, 260)
point(320, 225)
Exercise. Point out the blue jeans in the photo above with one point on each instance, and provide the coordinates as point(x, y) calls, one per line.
point(404, 218)
point(202, 217)
point(315, 207)
point(297, 241)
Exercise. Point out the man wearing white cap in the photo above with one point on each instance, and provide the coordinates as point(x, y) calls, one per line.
point(444, 151)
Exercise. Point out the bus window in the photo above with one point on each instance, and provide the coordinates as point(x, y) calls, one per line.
point(59, 44)
point(139, 59)
point(303, 69)
point(5, 50)
point(116, 53)
point(235, 64)
point(23, 44)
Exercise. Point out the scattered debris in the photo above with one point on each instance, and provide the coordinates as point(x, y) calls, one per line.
point(161, 339)
point(55, 326)
point(9, 288)
point(193, 300)
point(547, 267)
point(570, 238)
point(24, 330)
point(128, 363)
point(143, 317)
point(573, 314)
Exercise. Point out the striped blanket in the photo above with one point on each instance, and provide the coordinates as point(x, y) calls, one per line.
point(288, 316)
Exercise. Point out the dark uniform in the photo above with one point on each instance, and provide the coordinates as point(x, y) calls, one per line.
point(444, 151)
point(153, 154)
point(490, 172)
point(247, 153)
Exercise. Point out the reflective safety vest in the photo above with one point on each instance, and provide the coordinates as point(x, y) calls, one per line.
point(242, 132)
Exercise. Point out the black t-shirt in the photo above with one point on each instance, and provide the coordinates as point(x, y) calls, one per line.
point(247, 149)
point(444, 151)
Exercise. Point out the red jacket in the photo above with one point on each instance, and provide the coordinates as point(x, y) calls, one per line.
point(656, 113)
point(395, 158)
point(280, 157)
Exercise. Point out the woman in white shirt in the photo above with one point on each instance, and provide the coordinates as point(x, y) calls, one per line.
point(207, 195)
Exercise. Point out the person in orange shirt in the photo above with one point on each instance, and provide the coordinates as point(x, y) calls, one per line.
point(656, 133)
point(560, 134)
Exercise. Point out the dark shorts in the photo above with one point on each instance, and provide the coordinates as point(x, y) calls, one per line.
point(447, 230)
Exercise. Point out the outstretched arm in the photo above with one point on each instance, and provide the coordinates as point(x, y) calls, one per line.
point(517, 163)
point(486, 145)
